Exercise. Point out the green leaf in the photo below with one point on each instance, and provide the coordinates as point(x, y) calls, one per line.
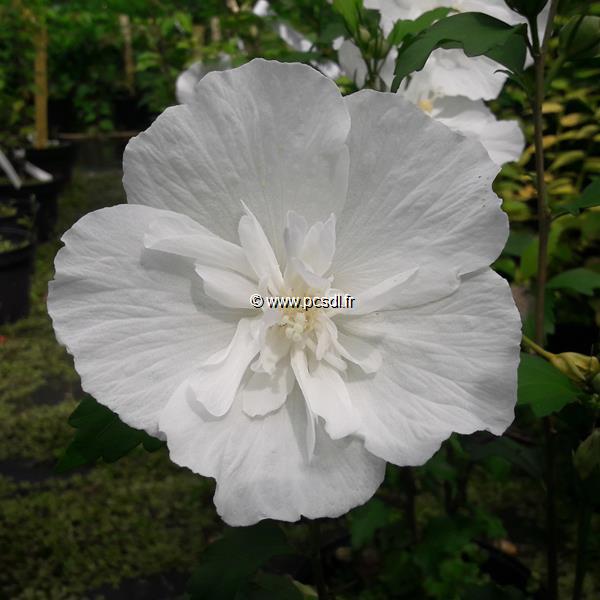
point(590, 197)
point(517, 243)
point(350, 11)
point(524, 458)
point(581, 280)
point(567, 158)
point(529, 259)
point(477, 34)
point(404, 28)
point(542, 387)
point(229, 564)
point(366, 520)
point(100, 434)
point(331, 31)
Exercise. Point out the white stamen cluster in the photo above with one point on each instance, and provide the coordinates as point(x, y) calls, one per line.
point(295, 326)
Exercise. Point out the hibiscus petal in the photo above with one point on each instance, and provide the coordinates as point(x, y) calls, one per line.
point(216, 385)
point(453, 73)
point(503, 140)
point(447, 366)
point(259, 251)
point(300, 274)
point(269, 133)
point(352, 62)
point(275, 347)
point(264, 393)
point(137, 323)
point(383, 294)
point(419, 196)
point(326, 395)
point(261, 465)
point(359, 351)
point(294, 234)
point(184, 237)
point(226, 287)
point(319, 246)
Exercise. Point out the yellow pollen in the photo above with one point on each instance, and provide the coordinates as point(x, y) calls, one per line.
point(425, 105)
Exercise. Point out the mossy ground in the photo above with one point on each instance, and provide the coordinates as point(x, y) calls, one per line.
point(90, 533)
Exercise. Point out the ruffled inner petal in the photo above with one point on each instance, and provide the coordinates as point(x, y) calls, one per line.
point(326, 395)
point(215, 385)
point(383, 294)
point(319, 246)
point(264, 393)
point(294, 233)
point(197, 243)
point(226, 287)
point(259, 252)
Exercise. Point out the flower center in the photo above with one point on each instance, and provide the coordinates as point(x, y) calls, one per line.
point(426, 105)
point(297, 322)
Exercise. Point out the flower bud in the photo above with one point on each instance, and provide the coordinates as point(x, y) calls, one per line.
point(364, 37)
point(578, 367)
point(580, 38)
point(587, 456)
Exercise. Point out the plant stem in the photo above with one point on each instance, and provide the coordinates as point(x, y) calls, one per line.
point(542, 203)
point(583, 530)
point(536, 348)
point(544, 220)
point(551, 525)
point(317, 561)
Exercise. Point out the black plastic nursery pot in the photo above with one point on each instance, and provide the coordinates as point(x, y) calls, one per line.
point(130, 113)
point(16, 263)
point(57, 159)
point(46, 196)
point(61, 114)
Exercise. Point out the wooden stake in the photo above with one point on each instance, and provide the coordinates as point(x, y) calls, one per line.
point(41, 86)
point(215, 30)
point(125, 24)
point(198, 32)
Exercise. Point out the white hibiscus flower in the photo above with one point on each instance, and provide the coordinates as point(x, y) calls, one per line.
point(452, 72)
point(270, 182)
point(503, 140)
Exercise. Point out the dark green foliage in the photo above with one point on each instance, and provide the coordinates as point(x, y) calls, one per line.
point(228, 565)
point(542, 387)
point(589, 198)
point(583, 281)
point(367, 520)
point(350, 10)
point(101, 435)
point(477, 34)
point(403, 29)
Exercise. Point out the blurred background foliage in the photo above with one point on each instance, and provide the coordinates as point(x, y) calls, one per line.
point(467, 525)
